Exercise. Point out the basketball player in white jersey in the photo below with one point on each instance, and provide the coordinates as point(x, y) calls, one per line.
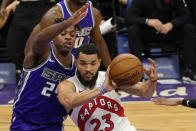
point(100, 108)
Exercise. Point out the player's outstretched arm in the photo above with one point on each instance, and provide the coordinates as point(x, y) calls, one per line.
point(167, 101)
point(69, 98)
point(38, 42)
point(189, 102)
point(147, 88)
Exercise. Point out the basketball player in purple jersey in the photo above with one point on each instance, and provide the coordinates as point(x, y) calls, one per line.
point(46, 63)
point(89, 24)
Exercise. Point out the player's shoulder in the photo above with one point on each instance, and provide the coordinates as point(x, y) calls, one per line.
point(55, 10)
point(96, 11)
point(50, 16)
point(97, 16)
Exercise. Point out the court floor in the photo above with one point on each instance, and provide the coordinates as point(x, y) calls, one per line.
point(142, 113)
point(145, 116)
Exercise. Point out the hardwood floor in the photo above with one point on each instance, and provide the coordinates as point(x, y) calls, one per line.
point(145, 116)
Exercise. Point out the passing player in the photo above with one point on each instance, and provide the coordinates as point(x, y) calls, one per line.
point(101, 107)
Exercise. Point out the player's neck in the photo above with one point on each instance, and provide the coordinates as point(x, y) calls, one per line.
point(72, 6)
point(66, 60)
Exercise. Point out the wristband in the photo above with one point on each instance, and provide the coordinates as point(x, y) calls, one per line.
point(146, 21)
point(185, 102)
point(103, 89)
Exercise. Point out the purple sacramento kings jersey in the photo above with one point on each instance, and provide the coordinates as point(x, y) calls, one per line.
point(86, 24)
point(36, 101)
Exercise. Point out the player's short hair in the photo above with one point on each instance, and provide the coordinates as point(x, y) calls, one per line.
point(87, 49)
point(58, 20)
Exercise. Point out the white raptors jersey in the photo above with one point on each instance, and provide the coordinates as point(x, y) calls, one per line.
point(104, 113)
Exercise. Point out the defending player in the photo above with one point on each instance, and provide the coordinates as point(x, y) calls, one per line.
point(46, 63)
point(89, 25)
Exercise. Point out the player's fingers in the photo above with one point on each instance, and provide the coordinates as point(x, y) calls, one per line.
point(83, 15)
point(84, 7)
point(147, 70)
point(153, 66)
point(152, 62)
point(82, 10)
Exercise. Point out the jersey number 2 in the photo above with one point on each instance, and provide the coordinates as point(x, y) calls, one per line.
point(107, 118)
point(49, 88)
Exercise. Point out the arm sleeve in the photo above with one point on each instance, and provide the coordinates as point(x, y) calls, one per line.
point(189, 102)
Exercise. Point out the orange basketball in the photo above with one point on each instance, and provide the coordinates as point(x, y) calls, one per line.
point(126, 69)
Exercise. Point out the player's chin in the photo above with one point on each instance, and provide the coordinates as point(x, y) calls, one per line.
point(65, 52)
point(88, 77)
point(70, 48)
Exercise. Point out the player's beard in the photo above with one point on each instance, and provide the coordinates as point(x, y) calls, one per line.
point(87, 83)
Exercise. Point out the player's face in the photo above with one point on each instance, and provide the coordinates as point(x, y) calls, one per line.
point(87, 65)
point(79, 2)
point(64, 42)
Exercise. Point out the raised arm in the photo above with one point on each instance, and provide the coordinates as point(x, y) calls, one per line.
point(37, 47)
point(97, 38)
point(47, 20)
point(147, 88)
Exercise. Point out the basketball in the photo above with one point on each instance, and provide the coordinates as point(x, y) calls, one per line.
point(126, 69)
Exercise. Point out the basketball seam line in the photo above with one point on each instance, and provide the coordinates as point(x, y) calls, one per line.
point(125, 71)
point(120, 61)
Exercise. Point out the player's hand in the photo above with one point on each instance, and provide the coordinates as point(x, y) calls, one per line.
point(167, 101)
point(108, 83)
point(151, 71)
point(79, 14)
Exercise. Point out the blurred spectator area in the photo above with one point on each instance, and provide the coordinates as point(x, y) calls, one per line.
point(3, 33)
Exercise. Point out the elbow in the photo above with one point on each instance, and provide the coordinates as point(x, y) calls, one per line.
point(67, 104)
point(64, 101)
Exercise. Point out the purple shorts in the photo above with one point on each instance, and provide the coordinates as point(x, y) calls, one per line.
point(18, 124)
